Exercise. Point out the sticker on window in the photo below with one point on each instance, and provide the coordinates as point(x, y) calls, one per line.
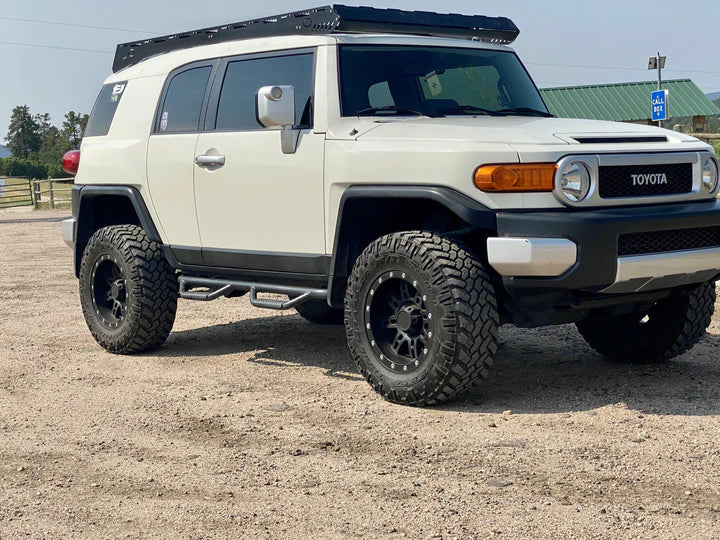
point(164, 121)
point(433, 82)
point(117, 92)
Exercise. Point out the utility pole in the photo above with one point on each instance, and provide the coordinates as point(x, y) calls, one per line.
point(658, 62)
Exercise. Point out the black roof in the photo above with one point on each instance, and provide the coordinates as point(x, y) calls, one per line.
point(327, 20)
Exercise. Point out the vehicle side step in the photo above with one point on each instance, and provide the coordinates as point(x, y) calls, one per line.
point(215, 288)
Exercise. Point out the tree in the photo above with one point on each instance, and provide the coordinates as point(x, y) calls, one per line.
point(73, 128)
point(37, 145)
point(23, 138)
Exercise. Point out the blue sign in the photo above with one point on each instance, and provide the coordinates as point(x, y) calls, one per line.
point(659, 105)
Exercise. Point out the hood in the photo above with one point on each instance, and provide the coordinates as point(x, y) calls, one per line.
point(515, 130)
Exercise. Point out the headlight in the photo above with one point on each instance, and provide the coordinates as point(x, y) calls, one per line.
point(709, 175)
point(575, 181)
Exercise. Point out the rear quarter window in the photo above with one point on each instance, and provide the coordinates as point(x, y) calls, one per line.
point(104, 109)
point(182, 105)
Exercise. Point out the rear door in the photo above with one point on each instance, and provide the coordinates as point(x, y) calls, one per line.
point(261, 209)
point(171, 153)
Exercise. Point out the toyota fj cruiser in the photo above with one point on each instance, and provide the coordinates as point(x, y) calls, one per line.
point(396, 171)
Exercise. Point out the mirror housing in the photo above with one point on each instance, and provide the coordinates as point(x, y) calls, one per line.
point(276, 108)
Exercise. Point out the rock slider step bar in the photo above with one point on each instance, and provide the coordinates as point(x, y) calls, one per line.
point(216, 288)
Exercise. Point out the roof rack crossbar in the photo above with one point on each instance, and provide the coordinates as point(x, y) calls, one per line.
point(332, 19)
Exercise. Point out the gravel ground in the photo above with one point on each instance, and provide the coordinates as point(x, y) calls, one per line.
point(249, 423)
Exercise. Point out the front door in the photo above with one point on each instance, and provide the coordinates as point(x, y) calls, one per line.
point(258, 208)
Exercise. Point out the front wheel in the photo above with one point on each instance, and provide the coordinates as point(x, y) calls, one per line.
point(668, 329)
point(420, 317)
point(128, 291)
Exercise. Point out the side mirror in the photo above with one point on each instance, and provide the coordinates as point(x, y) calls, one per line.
point(276, 108)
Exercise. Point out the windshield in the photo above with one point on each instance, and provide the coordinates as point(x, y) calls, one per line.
point(435, 81)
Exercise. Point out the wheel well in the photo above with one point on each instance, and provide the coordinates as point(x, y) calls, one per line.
point(100, 211)
point(365, 220)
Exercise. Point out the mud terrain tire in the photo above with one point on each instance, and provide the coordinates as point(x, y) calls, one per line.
point(421, 317)
point(128, 291)
point(670, 328)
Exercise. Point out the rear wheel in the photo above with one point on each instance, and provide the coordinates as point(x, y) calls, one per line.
point(421, 317)
point(671, 327)
point(128, 291)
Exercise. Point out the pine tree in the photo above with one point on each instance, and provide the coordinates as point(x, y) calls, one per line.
point(73, 128)
point(23, 138)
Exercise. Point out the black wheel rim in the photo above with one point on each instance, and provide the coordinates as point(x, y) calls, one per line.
point(110, 293)
point(398, 320)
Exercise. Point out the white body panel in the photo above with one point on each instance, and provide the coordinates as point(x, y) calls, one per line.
point(170, 179)
point(120, 157)
point(261, 199)
point(267, 201)
point(423, 162)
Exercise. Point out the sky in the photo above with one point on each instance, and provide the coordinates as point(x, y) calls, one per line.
point(562, 42)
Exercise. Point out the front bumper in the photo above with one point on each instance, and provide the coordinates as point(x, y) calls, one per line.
point(594, 234)
point(642, 273)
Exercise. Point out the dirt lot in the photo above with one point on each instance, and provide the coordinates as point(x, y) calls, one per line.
point(248, 423)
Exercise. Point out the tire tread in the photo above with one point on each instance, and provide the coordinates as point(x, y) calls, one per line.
point(471, 317)
point(695, 308)
point(154, 289)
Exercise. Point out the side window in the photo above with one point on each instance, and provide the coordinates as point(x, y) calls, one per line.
point(243, 78)
point(379, 95)
point(183, 101)
point(104, 109)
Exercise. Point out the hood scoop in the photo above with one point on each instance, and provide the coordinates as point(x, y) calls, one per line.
point(623, 139)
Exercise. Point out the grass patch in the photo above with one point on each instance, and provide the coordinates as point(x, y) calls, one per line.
point(58, 206)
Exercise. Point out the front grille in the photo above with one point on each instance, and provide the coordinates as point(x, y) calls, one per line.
point(645, 180)
point(644, 243)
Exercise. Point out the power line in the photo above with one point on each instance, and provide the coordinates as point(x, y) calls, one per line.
point(54, 47)
point(37, 21)
point(578, 66)
point(581, 66)
point(619, 68)
point(527, 63)
point(545, 85)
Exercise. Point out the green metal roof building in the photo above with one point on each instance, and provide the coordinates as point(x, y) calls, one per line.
point(629, 102)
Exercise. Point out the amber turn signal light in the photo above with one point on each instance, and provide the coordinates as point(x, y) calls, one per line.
point(520, 177)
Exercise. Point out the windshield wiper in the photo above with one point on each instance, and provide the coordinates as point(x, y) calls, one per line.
point(370, 111)
point(472, 109)
point(526, 111)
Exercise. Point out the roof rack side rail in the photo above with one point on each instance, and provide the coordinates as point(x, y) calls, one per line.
point(327, 20)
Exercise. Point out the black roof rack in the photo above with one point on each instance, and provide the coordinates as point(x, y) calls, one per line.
point(327, 20)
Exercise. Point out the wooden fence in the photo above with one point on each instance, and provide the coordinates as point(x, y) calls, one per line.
point(52, 193)
point(707, 136)
point(15, 192)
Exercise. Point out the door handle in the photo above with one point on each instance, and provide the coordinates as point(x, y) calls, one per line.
point(210, 161)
